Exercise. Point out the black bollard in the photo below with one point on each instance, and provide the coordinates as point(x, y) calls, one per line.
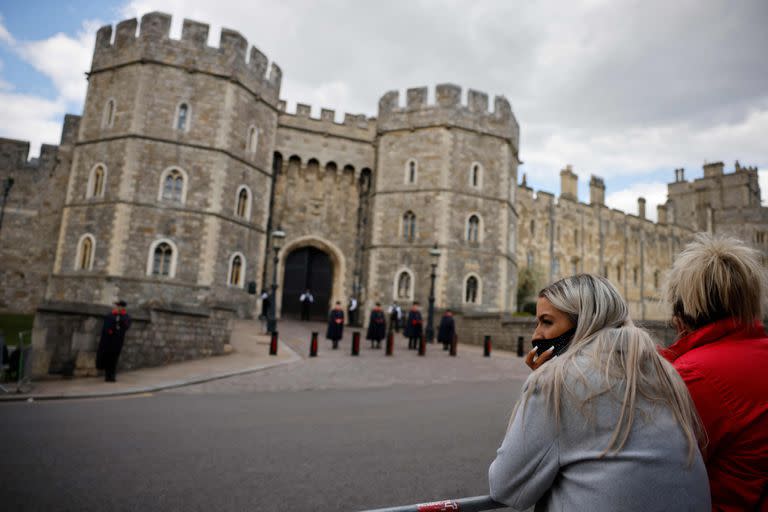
point(519, 346)
point(313, 345)
point(356, 343)
point(390, 343)
point(273, 344)
point(454, 342)
point(422, 345)
point(487, 346)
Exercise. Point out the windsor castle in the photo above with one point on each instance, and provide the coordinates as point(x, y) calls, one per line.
point(185, 160)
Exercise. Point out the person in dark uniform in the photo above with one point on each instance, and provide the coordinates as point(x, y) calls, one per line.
point(413, 327)
point(377, 326)
point(352, 311)
point(306, 300)
point(116, 323)
point(447, 330)
point(335, 329)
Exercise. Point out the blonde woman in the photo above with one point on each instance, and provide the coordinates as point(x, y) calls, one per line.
point(716, 289)
point(607, 424)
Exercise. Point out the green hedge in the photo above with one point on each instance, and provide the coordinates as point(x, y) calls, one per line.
point(12, 324)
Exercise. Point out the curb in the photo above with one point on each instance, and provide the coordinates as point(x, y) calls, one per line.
point(152, 389)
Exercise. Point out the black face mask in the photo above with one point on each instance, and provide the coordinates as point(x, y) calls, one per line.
point(560, 343)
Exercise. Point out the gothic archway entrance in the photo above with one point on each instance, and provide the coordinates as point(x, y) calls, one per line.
point(307, 267)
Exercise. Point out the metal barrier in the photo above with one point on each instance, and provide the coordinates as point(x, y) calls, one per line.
point(473, 504)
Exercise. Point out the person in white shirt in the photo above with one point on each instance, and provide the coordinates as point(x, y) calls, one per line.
point(306, 300)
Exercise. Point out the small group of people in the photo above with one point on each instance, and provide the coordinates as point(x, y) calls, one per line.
point(609, 421)
point(377, 326)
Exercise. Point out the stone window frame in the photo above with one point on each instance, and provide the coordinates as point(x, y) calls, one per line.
point(184, 184)
point(414, 230)
point(480, 173)
point(480, 226)
point(252, 140)
point(530, 259)
point(79, 253)
point(90, 193)
point(187, 120)
point(151, 257)
point(396, 285)
point(243, 267)
point(108, 114)
point(407, 175)
point(249, 201)
point(478, 293)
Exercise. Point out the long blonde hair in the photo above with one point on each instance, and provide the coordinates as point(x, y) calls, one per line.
point(624, 357)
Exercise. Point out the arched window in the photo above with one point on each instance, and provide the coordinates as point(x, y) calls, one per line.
point(404, 285)
point(85, 251)
point(472, 290)
point(96, 181)
point(109, 114)
point(253, 140)
point(533, 227)
point(473, 228)
point(162, 259)
point(411, 171)
point(409, 226)
point(576, 237)
point(182, 117)
point(243, 203)
point(529, 259)
point(173, 185)
point(236, 273)
point(476, 175)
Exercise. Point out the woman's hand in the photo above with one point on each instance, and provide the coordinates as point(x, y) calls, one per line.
point(534, 362)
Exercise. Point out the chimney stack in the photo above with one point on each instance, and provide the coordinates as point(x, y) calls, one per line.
point(641, 207)
point(596, 190)
point(569, 184)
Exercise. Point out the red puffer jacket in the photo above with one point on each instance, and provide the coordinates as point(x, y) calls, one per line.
point(725, 366)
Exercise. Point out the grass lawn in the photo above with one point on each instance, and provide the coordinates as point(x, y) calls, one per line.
point(12, 324)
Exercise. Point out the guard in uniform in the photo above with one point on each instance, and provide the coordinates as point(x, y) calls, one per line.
point(413, 327)
point(335, 329)
point(447, 330)
point(377, 326)
point(116, 323)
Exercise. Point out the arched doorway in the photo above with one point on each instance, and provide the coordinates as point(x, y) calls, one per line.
point(307, 267)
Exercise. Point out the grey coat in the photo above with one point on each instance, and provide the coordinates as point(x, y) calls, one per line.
point(561, 469)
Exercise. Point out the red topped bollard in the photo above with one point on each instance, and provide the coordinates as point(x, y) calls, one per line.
point(313, 345)
point(422, 346)
point(356, 343)
point(273, 344)
point(487, 346)
point(390, 344)
point(454, 342)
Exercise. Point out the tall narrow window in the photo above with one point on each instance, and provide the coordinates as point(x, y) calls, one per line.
point(243, 206)
point(475, 175)
point(236, 271)
point(473, 227)
point(96, 181)
point(173, 187)
point(85, 253)
point(618, 273)
point(182, 117)
point(576, 237)
point(533, 227)
point(471, 291)
point(404, 285)
point(109, 114)
point(253, 139)
point(161, 263)
point(634, 276)
point(409, 226)
point(411, 168)
point(529, 259)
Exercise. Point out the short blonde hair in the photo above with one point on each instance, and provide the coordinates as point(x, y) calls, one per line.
point(715, 278)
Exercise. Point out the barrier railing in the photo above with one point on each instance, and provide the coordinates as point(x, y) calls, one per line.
point(473, 504)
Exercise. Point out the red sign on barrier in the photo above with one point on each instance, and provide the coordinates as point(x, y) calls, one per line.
point(438, 506)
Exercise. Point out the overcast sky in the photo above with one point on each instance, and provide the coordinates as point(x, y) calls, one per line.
point(626, 90)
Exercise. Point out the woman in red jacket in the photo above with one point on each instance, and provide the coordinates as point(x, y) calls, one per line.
point(716, 288)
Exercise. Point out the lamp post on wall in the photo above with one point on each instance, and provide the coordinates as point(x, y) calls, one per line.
point(278, 236)
point(7, 185)
point(434, 254)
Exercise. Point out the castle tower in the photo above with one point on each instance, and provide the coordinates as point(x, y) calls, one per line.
point(169, 191)
point(445, 174)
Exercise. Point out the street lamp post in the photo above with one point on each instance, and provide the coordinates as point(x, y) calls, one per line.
point(278, 236)
point(7, 184)
point(434, 254)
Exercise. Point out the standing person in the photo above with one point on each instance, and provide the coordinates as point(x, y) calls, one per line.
point(306, 300)
point(352, 311)
point(265, 303)
point(605, 425)
point(395, 317)
point(447, 330)
point(335, 329)
point(413, 327)
point(377, 326)
point(716, 290)
point(116, 323)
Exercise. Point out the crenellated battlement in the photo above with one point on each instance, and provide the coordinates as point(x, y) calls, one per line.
point(448, 110)
point(153, 44)
point(355, 126)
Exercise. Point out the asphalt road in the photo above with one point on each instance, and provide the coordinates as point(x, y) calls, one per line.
point(319, 450)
